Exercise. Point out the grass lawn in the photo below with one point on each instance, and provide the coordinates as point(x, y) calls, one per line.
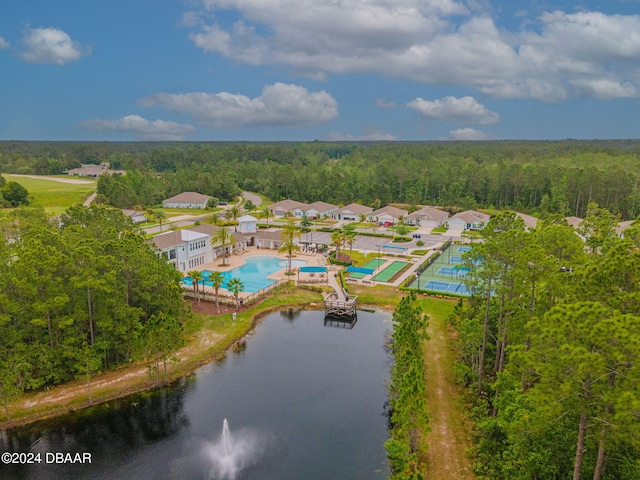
point(54, 196)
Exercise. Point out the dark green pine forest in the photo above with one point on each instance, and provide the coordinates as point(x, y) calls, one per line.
point(80, 295)
point(561, 177)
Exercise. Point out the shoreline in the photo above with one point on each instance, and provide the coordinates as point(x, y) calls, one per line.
point(191, 359)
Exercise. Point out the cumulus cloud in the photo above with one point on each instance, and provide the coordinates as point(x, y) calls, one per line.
point(51, 45)
point(279, 104)
point(3, 43)
point(469, 134)
point(142, 128)
point(371, 134)
point(444, 42)
point(451, 109)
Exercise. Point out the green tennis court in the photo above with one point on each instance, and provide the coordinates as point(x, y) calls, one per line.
point(390, 271)
point(372, 264)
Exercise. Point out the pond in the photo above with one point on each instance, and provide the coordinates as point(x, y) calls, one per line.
point(302, 400)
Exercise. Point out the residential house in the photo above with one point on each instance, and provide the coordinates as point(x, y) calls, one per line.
point(622, 226)
point(428, 217)
point(351, 212)
point(468, 220)
point(388, 214)
point(574, 221)
point(187, 200)
point(185, 249)
point(291, 207)
point(94, 171)
point(135, 216)
point(320, 210)
point(529, 222)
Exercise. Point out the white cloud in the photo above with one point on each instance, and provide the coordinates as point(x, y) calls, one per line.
point(437, 42)
point(371, 134)
point(142, 128)
point(3, 43)
point(451, 109)
point(279, 104)
point(51, 45)
point(384, 104)
point(469, 134)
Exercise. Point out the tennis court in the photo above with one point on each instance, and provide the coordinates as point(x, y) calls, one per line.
point(386, 274)
point(464, 248)
point(446, 274)
point(371, 265)
point(448, 287)
point(454, 272)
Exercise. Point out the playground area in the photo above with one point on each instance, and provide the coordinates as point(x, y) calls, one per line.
point(446, 274)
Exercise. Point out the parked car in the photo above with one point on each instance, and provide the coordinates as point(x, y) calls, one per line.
point(387, 224)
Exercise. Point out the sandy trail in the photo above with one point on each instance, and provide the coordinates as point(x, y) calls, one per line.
point(74, 181)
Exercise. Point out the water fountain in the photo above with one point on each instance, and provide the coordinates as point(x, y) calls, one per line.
point(233, 453)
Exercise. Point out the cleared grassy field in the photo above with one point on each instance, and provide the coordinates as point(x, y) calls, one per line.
point(54, 195)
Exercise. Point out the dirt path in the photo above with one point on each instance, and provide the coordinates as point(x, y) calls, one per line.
point(53, 179)
point(449, 437)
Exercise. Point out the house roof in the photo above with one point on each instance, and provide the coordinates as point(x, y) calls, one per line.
point(247, 218)
point(176, 237)
point(529, 221)
point(133, 213)
point(622, 226)
point(288, 205)
point(471, 216)
point(430, 212)
point(354, 208)
point(206, 228)
point(574, 221)
point(390, 210)
point(188, 197)
point(322, 207)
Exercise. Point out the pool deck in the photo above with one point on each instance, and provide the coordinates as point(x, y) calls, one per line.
point(236, 261)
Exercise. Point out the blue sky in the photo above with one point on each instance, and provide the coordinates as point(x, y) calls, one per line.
point(319, 69)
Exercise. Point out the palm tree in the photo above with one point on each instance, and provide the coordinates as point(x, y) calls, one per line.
point(232, 215)
point(336, 238)
point(350, 239)
point(196, 276)
point(159, 216)
point(215, 218)
point(267, 214)
point(290, 231)
point(223, 237)
point(289, 247)
point(216, 279)
point(236, 287)
point(305, 224)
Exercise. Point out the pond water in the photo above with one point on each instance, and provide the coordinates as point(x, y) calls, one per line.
point(303, 400)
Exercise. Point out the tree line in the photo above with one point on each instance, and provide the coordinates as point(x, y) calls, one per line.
point(550, 349)
point(81, 295)
point(541, 177)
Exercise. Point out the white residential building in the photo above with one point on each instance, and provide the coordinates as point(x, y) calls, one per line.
point(187, 200)
point(428, 217)
point(185, 249)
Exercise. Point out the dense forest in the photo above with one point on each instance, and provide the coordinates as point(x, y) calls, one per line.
point(541, 177)
point(550, 349)
point(80, 296)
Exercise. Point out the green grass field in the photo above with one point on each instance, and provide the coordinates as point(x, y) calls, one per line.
point(54, 196)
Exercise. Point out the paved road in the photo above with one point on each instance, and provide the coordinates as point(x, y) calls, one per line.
point(253, 197)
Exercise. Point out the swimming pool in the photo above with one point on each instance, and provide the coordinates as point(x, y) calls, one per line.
point(253, 273)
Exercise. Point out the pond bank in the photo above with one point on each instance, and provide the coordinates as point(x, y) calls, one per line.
point(210, 341)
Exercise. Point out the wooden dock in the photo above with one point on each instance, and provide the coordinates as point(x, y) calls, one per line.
point(337, 305)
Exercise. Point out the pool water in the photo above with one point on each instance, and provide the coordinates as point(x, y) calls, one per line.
point(253, 273)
